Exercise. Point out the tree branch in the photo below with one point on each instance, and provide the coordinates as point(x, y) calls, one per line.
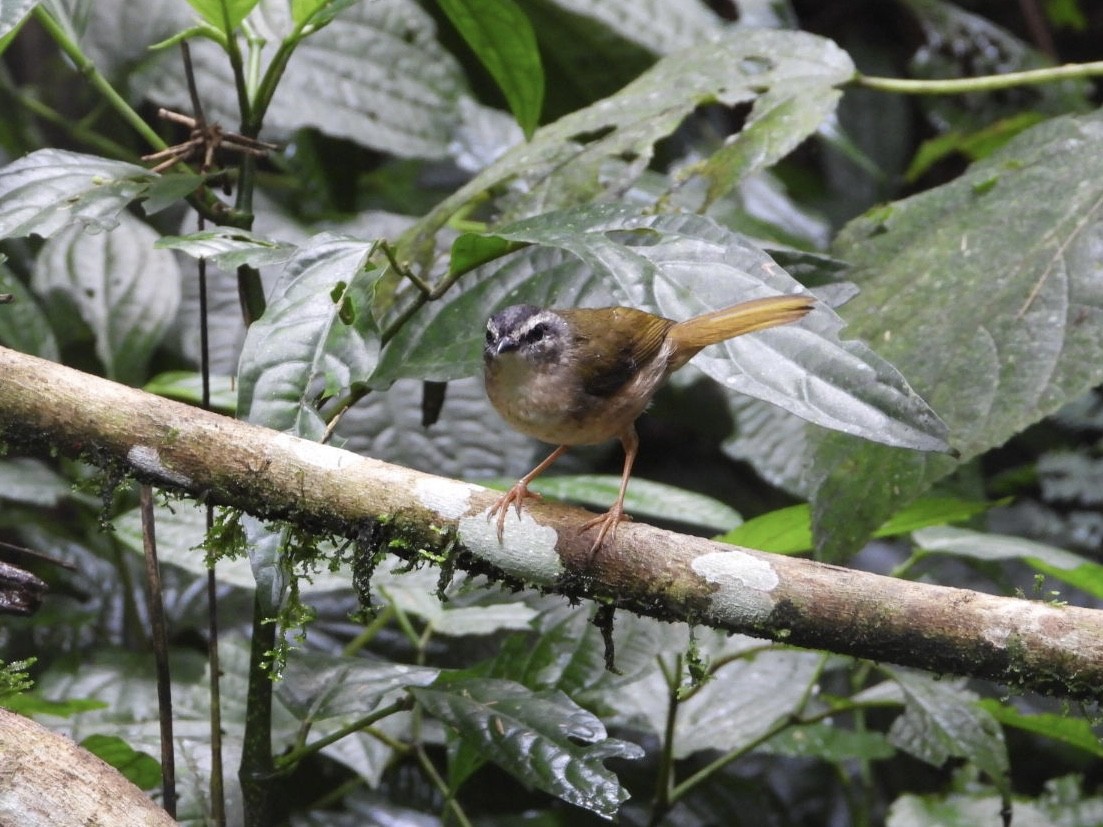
point(46, 779)
point(1027, 644)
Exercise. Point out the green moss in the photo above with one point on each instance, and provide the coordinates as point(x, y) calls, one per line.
point(226, 538)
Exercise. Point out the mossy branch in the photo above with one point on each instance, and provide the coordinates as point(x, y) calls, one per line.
point(1026, 644)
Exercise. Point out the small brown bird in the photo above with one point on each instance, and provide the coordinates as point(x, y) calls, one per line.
point(582, 376)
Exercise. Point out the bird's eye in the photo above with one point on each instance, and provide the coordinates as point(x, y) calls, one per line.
point(489, 335)
point(537, 333)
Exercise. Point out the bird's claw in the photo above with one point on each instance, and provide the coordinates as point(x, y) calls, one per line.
point(515, 495)
point(608, 523)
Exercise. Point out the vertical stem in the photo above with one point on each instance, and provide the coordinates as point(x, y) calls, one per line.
point(215, 787)
point(664, 782)
point(258, 777)
point(160, 649)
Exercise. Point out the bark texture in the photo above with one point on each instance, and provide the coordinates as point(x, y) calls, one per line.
point(48, 781)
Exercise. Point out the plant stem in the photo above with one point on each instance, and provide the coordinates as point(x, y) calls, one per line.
point(664, 781)
point(783, 723)
point(987, 83)
point(452, 806)
point(98, 81)
point(289, 760)
point(259, 781)
point(159, 637)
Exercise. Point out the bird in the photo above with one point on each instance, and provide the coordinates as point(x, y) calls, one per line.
point(581, 376)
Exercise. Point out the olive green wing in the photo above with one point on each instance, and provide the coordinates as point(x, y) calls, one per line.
point(612, 344)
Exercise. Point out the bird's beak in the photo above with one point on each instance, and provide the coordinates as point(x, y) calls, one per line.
point(504, 345)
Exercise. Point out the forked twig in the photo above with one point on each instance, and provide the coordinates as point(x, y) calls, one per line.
point(204, 140)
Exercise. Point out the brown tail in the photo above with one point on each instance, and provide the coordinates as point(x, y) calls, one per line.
point(693, 334)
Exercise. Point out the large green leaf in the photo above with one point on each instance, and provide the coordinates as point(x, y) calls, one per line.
point(745, 700)
point(50, 189)
point(677, 266)
point(986, 293)
point(609, 144)
point(542, 738)
point(1080, 572)
point(501, 36)
point(123, 289)
point(316, 337)
point(943, 720)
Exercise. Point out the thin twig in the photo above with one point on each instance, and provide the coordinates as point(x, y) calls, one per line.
point(160, 649)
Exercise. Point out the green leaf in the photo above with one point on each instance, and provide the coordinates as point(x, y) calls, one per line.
point(50, 189)
point(943, 720)
point(229, 248)
point(996, 324)
point(305, 344)
point(126, 292)
point(1077, 571)
point(830, 743)
point(224, 15)
point(677, 266)
point(501, 36)
point(142, 770)
point(32, 705)
point(745, 701)
point(318, 12)
point(168, 189)
point(32, 482)
point(317, 686)
point(608, 145)
point(542, 738)
point(1074, 731)
point(789, 530)
point(974, 146)
point(23, 324)
point(782, 117)
point(645, 498)
point(566, 652)
point(187, 386)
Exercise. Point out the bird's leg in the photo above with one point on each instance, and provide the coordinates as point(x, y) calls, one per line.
point(520, 491)
point(610, 519)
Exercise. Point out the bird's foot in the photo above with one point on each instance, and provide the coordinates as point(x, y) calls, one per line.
point(514, 496)
point(606, 525)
